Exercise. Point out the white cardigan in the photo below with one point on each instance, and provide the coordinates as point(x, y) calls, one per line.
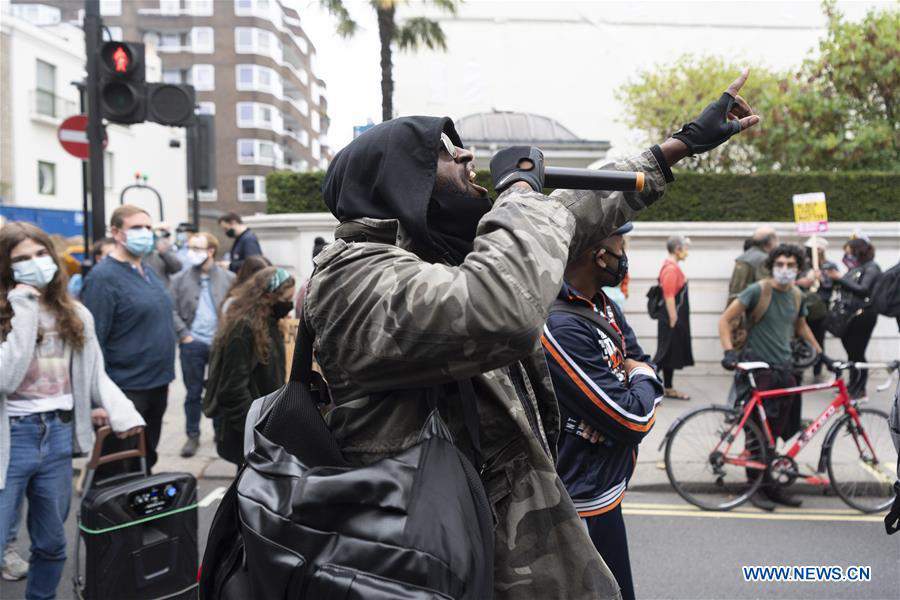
point(89, 379)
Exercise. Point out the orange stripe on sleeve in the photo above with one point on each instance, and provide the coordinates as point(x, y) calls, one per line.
point(590, 394)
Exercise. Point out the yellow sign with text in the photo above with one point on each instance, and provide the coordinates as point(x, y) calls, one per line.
point(811, 212)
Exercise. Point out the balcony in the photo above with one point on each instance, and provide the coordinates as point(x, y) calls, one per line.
point(49, 108)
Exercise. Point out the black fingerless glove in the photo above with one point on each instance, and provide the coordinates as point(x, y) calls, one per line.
point(711, 128)
point(505, 169)
point(825, 360)
point(730, 360)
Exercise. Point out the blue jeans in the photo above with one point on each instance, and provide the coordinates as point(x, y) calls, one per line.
point(194, 357)
point(40, 467)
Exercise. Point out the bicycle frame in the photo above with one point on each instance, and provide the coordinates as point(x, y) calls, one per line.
point(841, 401)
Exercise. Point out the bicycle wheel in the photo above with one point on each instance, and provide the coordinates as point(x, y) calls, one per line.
point(861, 479)
point(702, 471)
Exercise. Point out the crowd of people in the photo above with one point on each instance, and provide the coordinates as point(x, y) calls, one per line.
point(99, 349)
point(405, 306)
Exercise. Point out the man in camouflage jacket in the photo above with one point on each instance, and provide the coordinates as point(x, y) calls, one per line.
point(396, 307)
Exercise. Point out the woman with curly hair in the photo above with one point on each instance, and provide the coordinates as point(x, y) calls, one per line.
point(52, 371)
point(247, 355)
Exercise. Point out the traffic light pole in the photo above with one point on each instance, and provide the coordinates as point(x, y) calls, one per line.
point(194, 145)
point(93, 31)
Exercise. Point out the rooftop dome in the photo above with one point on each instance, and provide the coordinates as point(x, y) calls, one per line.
point(512, 127)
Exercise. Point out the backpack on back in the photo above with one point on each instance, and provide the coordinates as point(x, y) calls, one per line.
point(300, 522)
point(886, 293)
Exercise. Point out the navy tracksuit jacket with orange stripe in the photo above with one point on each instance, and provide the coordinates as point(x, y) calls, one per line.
point(588, 370)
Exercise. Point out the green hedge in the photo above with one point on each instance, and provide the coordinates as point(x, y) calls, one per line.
point(853, 196)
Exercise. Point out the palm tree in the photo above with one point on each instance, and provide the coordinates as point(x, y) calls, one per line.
point(409, 34)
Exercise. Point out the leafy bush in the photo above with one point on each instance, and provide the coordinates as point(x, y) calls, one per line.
point(852, 196)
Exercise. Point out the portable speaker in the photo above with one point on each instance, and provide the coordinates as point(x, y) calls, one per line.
point(139, 534)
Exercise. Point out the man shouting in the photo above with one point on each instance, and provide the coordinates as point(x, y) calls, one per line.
point(429, 284)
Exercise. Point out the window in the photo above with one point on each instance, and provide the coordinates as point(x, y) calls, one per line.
point(110, 8)
point(243, 39)
point(265, 114)
point(170, 7)
point(37, 14)
point(243, 7)
point(115, 34)
point(203, 77)
point(45, 93)
point(302, 44)
point(170, 42)
point(202, 40)
point(206, 108)
point(46, 178)
point(199, 8)
point(252, 189)
point(172, 76)
point(259, 152)
point(304, 137)
point(256, 78)
point(303, 75)
point(314, 121)
point(245, 114)
point(316, 149)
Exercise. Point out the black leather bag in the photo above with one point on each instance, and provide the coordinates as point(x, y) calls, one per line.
point(841, 310)
point(299, 522)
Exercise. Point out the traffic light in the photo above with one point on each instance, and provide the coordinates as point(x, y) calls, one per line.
point(122, 88)
point(125, 97)
point(170, 104)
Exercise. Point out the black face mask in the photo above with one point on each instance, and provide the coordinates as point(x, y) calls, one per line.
point(621, 270)
point(230, 232)
point(281, 308)
point(452, 220)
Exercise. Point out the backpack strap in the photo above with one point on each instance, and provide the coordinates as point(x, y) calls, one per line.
point(561, 306)
point(762, 305)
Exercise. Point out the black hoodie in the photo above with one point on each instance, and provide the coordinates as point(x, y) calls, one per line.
point(388, 173)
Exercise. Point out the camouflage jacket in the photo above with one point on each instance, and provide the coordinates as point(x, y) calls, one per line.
point(388, 323)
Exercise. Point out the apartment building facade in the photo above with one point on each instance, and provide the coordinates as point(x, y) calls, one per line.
point(253, 68)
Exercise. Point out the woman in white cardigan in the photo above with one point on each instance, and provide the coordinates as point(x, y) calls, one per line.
point(52, 371)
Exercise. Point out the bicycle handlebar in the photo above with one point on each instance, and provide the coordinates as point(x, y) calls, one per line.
point(835, 367)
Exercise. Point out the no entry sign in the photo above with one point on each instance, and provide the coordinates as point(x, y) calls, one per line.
point(72, 136)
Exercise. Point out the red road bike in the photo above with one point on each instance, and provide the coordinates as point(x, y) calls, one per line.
point(717, 457)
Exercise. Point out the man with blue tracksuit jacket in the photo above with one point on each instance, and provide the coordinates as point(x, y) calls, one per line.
point(607, 397)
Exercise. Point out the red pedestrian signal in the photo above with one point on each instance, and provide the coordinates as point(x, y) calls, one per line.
point(120, 60)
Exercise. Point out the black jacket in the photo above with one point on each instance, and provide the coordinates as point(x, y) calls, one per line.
point(236, 379)
point(860, 282)
point(245, 245)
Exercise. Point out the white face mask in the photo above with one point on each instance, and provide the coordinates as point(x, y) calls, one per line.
point(37, 272)
point(197, 257)
point(784, 276)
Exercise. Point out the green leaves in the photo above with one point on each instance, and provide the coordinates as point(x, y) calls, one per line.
point(415, 32)
point(346, 26)
point(837, 111)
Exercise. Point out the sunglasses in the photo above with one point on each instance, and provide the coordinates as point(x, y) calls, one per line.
point(449, 146)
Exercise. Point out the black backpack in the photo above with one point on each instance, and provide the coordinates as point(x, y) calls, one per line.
point(886, 293)
point(656, 304)
point(299, 522)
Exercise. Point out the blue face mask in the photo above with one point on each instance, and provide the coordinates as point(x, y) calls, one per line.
point(37, 272)
point(139, 242)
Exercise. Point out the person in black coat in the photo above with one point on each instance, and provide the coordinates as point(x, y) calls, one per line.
point(248, 356)
point(245, 242)
point(856, 285)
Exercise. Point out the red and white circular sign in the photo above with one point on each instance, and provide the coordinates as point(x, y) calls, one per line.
point(72, 136)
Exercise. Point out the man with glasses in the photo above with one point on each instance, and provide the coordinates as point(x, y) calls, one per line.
point(133, 318)
point(198, 293)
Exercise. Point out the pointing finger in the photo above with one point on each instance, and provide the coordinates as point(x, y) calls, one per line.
point(748, 122)
point(737, 84)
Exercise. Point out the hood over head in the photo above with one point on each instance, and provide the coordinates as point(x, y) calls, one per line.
point(388, 172)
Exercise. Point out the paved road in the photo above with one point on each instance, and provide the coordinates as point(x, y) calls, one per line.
point(681, 552)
